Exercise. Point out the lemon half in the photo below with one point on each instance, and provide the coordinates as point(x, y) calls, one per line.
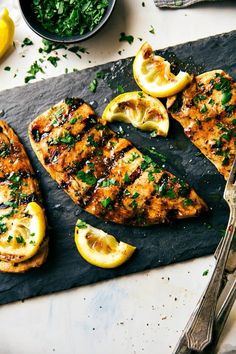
point(7, 29)
point(99, 248)
point(22, 236)
point(152, 74)
point(139, 109)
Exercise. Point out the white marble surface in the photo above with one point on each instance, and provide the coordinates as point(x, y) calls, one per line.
point(141, 313)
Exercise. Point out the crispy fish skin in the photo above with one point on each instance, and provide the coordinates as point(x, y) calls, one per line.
point(105, 174)
point(18, 187)
point(207, 111)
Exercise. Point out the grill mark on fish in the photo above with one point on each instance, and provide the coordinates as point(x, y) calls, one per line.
point(86, 199)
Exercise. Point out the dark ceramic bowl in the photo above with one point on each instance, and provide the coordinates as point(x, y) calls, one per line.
point(42, 32)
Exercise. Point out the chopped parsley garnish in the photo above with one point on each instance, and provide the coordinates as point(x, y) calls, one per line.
point(135, 195)
point(133, 157)
point(120, 89)
point(140, 94)
point(87, 177)
point(53, 60)
point(204, 109)
point(81, 224)
point(211, 102)
point(187, 202)
point(152, 30)
point(170, 193)
point(3, 228)
point(126, 38)
point(7, 68)
point(9, 238)
point(91, 141)
point(76, 50)
point(93, 85)
point(73, 120)
point(226, 97)
point(68, 18)
point(134, 204)
point(109, 183)
point(223, 85)
point(26, 42)
point(34, 69)
point(5, 150)
point(151, 178)
point(20, 239)
point(67, 139)
point(106, 202)
point(205, 272)
point(126, 178)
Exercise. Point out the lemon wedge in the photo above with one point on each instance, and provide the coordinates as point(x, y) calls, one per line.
point(152, 74)
point(7, 29)
point(99, 248)
point(21, 237)
point(141, 110)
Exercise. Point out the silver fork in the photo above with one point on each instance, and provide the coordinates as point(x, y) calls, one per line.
point(198, 332)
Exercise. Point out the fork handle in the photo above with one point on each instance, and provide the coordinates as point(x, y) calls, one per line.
point(199, 330)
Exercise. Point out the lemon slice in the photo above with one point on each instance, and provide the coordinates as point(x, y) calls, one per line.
point(139, 109)
point(21, 237)
point(7, 29)
point(99, 248)
point(152, 74)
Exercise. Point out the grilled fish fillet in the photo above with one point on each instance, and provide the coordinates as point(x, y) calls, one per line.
point(18, 187)
point(105, 174)
point(207, 111)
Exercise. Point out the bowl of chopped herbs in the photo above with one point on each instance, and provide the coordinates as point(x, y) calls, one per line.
point(66, 21)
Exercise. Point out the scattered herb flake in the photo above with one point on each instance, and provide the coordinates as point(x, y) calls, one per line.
point(93, 85)
point(126, 38)
point(152, 30)
point(205, 272)
point(106, 202)
point(53, 60)
point(81, 224)
point(87, 177)
point(26, 42)
point(7, 68)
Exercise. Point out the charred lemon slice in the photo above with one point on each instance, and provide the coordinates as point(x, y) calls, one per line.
point(7, 29)
point(21, 236)
point(99, 248)
point(152, 74)
point(141, 110)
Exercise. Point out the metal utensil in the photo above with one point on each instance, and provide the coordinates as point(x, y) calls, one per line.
point(223, 308)
point(198, 332)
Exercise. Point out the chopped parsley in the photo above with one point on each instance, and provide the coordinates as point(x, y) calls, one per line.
point(126, 38)
point(87, 177)
point(187, 202)
point(126, 178)
point(34, 69)
point(109, 183)
point(134, 204)
point(226, 97)
point(7, 68)
point(73, 120)
point(81, 224)
point(9, 238)
point(26, 42)
point(20, 239)
point(204, 109)
point(205, 272)
point(133, 157)
point(68, 18)
point(91, 141)
point(152, 30)
point(106, 202)
point(120, 89)
point(135, 195)
point(3, 228)
point(53, 60)
point(93, 85)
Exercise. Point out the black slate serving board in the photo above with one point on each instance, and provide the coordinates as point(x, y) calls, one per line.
point(157, 245)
